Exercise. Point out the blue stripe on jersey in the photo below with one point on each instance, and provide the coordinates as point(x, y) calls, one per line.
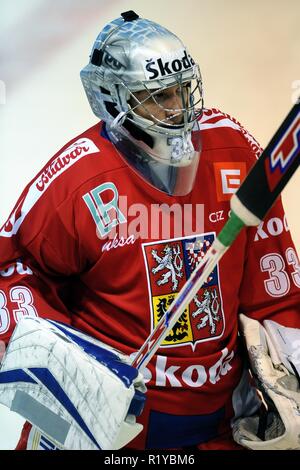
point(166, 431)
point(45, 376)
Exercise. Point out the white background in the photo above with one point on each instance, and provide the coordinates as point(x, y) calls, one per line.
point(248, 53)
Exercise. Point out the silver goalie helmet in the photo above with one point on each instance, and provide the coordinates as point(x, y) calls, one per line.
point(136, 67)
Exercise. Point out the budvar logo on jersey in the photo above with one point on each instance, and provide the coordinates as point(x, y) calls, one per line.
point(162, 66)
point(169, 264)
point(77, 150)
point(283, 154)
point(61, 163)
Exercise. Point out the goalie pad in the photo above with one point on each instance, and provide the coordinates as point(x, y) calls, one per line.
point(79, 392)
point(275, 359)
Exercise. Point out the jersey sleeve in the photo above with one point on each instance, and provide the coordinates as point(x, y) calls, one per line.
point(45, 245)
point(37, 265)
point(271, 282)
point(270, 287)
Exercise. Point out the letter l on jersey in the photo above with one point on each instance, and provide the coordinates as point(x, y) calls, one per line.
point(100, 210)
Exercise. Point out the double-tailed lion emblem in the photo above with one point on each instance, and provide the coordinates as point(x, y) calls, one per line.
point(169, 264)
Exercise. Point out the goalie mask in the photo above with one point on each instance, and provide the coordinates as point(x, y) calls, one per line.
point(144, 84)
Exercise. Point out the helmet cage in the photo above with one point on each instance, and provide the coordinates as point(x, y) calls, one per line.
point(190, 95)
point(115, 95)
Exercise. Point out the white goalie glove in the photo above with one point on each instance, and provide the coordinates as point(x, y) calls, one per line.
point(79, 392)
point(274, 353)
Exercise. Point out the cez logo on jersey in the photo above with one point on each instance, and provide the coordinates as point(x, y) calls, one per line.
point(283, 154)
point(168, 64)
point(169, 264)
point(228, 176)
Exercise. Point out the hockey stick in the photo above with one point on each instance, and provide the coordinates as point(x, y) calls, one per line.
point(265, 181)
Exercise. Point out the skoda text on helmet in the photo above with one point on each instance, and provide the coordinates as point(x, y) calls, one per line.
point(133, 55)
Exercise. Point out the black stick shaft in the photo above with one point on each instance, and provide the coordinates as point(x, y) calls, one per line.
point(274, 167)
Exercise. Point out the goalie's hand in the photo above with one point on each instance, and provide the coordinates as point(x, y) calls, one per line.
point(79, 392)
point(275, 363)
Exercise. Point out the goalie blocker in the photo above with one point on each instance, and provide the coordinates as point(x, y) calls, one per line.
point(79, 392)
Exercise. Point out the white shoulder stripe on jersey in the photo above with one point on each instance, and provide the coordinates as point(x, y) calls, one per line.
point(222, 123)
point(61, 163)
point(214, 118)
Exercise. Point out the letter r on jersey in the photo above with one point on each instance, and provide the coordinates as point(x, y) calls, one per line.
point(102, 212)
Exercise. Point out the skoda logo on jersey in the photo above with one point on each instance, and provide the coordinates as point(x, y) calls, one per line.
point(169, 264)
point(167, 65)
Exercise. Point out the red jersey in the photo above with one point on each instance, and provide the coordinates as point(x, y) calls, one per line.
point(91, 243)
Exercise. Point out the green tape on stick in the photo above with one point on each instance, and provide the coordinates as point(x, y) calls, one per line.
point(231, 230)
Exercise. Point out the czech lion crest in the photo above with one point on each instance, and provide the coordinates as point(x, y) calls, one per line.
point(169, 264)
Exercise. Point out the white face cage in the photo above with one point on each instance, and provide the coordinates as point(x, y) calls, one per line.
point(135, 65)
